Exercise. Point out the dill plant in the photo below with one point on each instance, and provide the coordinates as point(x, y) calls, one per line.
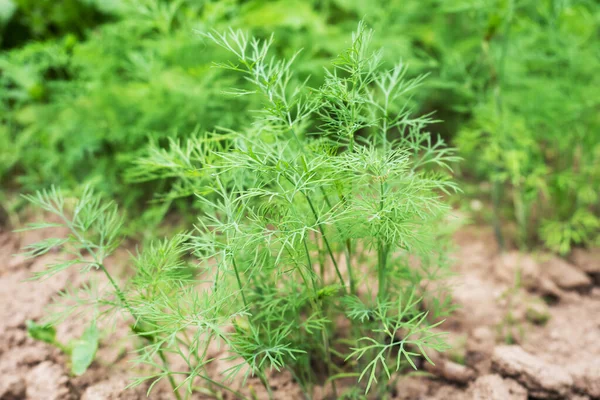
point(532, 133)
point(327, 211)
point(74, 111)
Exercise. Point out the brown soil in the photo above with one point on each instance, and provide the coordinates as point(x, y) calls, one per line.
point(538, 340)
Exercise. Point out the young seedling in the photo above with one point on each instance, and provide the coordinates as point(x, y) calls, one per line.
point(82, 351)
point(93, 227)
point(325, 212)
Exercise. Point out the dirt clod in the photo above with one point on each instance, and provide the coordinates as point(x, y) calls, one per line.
point(587, 261)
point(477, 300)
point(450, 371)
point(113, 388)
point(543, 380)
point(12, 387)
point(22, 357)
point(557, 360)
point(565, 275)
point(586, 376)
point(494, 387)
point(512, 264)
point(48, 381)
point(480, 346)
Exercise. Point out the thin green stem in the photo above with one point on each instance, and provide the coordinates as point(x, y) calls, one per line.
point(321, 256)
point(521, 216)
point(335, 264)
point(349, 266)
point(122, 299)
point(384, 129)
point(224, 387)
point(496, 185)
point(316, 215)
point(348, 250)
point(301, 382)
point(62, 347)
point(496, 219)
point(163, 358)
point(136, 318)
point(310, 265)
point(239, 281)
point(314, 211)
point(263, 380)
point(119, 292)
point(325, 339)
point(382, 252)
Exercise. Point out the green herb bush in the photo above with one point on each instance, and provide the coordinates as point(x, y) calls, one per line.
point(326, 211)
point(77, 112)
point(79, 106)
point(24, 20)
point(534, 130)
point(77, 109)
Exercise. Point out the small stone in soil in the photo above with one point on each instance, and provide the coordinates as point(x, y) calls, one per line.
point(587, 260)
point(48, 381)
point(543, 380)
point(494, 387)
point(12, 387)
point(586, 376)
point(565, 275)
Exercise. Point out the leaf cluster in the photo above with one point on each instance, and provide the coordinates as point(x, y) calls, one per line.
point(326, 207)
point(533, 134)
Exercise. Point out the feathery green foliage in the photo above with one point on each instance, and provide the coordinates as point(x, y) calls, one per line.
point(534, 132)
point(512, 80)
point(327, 207)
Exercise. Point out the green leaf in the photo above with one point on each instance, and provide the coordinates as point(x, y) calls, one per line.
point(44, 333)
point(84, 350)
point(7, 9)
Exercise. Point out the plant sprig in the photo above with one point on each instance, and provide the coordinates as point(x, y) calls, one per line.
point(302, 218)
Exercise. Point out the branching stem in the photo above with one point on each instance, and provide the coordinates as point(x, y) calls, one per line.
point(329, 250)
point(136, 319)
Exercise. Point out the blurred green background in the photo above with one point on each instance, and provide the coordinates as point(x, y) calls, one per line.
point(86, 85)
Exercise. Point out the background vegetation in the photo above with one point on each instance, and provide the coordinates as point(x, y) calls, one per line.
point(318, 180)
point(86, 86)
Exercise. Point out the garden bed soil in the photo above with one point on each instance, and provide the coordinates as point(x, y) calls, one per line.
point(538, 340)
